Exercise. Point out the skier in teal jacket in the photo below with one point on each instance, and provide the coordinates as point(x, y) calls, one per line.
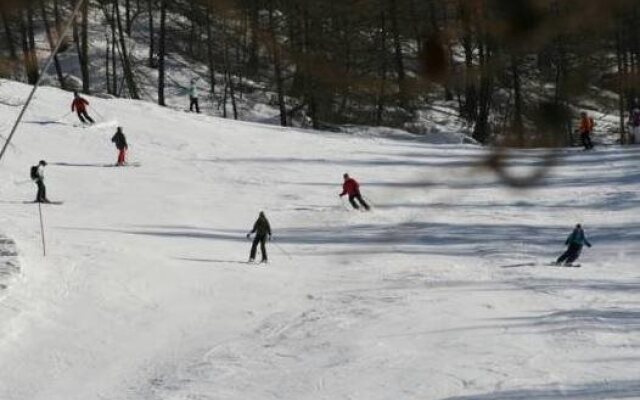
point(576, 241)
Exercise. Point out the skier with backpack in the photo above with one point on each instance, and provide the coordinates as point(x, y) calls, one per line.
point(37, 175)
point(79, 105)
point(634, 125)
point(262, 229)
point(586, 130)
point(352, 188)
point(576, 241)
point(193, 96)
point(121, 144)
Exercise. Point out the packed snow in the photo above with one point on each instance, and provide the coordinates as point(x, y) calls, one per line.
point(442, 291)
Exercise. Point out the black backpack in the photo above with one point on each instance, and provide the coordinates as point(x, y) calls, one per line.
point(34, 172)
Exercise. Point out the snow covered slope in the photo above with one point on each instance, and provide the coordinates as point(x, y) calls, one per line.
point(440, 292)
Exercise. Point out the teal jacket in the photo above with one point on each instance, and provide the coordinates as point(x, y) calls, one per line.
point(193, 91)
point(578, 237)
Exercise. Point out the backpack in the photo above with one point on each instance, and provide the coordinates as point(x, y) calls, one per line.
point(34, 172)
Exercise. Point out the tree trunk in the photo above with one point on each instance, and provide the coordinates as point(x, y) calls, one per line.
point(28, 47)
point(383, 71)
point(128, 71)
point(399, 61)
point(210, 55)
point(277, 69)
point(52, 44)
point(161, 52)
point(518, 123)
point(9, 36)
point(152, 42)
point(84, 60)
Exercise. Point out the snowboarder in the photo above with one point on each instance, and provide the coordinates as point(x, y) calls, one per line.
point(37, 175)
point(193, 96)
point(121, 144)
point(262, 229)
point(79, 105)
point(352, 189)
point(576, 242)
point(634, 125)
point(586, 129)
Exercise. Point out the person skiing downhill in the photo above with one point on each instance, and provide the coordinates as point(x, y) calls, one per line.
point(352, 188)
point(576, 242)
point(37, 175)
point(121, 144)
point(262, 229)
point(193, 96)
point(79, 105)
point(586, 130)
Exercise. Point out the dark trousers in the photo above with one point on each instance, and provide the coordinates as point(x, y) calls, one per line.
point(572, 254)
point(586, 141)
point(84, 117)
point(263, 248)
point(41, 197)
point(358, 196)
point(194, 103)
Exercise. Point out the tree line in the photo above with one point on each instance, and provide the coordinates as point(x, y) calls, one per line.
point(515, 71)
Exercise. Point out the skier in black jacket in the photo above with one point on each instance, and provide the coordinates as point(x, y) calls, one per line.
point(37, 175)
point(121, 144)
point(262, 229)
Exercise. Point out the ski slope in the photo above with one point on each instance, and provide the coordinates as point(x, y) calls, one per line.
point(441, 292)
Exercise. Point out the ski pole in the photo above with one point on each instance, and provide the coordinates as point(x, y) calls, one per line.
point(344, 206)
point(97, 113)
point(63, 117)
point(282, 250)
point(368, 200)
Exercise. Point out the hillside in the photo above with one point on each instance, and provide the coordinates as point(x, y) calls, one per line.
point(441, 292)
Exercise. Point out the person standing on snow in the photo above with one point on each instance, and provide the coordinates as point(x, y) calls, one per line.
point(262, 229)
point(193, 96)
point(37, 175)
point(121, 144)
point(352, 189)
point(576, 242)
point(634, 125)
point(586, 130)
point(79, 105)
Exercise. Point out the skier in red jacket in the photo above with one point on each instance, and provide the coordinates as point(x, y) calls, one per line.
point(352, 188)
point(79, 105)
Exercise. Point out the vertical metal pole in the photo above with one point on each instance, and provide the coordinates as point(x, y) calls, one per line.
point(40, 76)
point(44, 244)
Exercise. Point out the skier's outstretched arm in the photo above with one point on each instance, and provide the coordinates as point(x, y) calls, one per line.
point(255, 228)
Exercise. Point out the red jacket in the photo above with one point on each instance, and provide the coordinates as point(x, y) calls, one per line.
point(79, 104)
point(350, 187)
point(586, 125)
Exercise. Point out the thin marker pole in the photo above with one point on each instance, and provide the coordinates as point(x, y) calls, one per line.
point(44, 244)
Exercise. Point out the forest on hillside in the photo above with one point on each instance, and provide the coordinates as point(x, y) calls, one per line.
point(517, 71)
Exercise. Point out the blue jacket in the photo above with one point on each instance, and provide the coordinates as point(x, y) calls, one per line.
point(578, 237)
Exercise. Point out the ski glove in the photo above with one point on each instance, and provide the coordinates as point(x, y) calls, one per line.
point(248, 235)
